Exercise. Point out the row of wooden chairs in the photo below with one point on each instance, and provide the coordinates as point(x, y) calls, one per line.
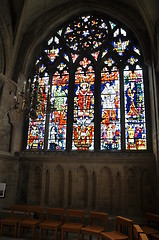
point(32, 217)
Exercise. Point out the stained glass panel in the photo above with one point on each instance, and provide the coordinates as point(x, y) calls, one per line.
point(120, 46)
point(83, 121)
point(110, 110)
point(37, 117)
point(58, 116)
point(135, 126)
point(86, 32)
point(53, 48)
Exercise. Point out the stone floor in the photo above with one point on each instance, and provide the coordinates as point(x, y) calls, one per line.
point(50, 236)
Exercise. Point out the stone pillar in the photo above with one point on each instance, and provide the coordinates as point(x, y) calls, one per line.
point(17, 119)
point(7, 89)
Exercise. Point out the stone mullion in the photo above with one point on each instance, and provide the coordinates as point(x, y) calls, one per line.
point(70, 110)
point(47, 116)
point(122, 110)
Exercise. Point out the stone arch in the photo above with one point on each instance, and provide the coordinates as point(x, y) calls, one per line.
point(105, 189)
point(47, 187)
point(6, 38)
point(36, 185)
point(147, 193)
point(69, 189)
point(94, 190)
point(118, 192)
point(23, 183)
point(131, 191)
point(56, 19)
point(82, 187)
point(58, 187)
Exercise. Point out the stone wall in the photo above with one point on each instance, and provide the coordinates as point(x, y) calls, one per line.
point(116, 183)
point(8, 174)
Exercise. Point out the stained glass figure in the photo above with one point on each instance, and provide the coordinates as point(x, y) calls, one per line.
point(83, 124)
point(110, 110)
point(58, 116)
point(134, 110)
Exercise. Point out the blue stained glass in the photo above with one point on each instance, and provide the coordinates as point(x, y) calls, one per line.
point(134, 110)
point(110, 110)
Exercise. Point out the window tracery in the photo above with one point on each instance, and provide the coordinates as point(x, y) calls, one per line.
point(93, 61)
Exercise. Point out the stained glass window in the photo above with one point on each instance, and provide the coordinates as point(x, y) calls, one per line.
point(87, 88)
point(83, 124)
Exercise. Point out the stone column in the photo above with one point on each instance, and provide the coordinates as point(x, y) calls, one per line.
point(7, 89)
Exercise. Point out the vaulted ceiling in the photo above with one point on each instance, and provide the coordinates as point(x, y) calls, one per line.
point(26, 11)
point(20, 20)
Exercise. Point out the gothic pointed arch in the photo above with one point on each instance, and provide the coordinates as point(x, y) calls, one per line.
point(86, 89)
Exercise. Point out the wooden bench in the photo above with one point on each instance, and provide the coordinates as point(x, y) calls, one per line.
point(123, 232)
point(74, 222)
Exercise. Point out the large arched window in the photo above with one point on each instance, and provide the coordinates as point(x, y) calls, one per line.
point(87, 90)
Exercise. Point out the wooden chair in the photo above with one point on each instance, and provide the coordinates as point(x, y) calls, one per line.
point(152, 226)
point(17, 213)
point(136, 231)
point(32, 219)
point(74, 222)
point(123, 231)
point(54, 220)
point(97, 224)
